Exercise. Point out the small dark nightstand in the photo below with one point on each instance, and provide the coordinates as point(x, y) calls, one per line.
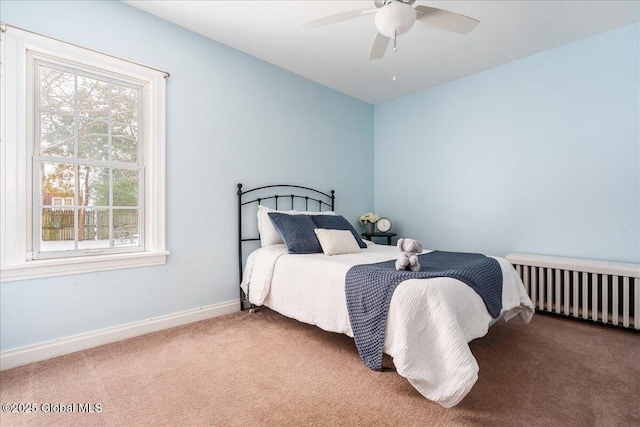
point(368, 236)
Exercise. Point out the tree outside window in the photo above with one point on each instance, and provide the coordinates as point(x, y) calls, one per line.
point(87, 154)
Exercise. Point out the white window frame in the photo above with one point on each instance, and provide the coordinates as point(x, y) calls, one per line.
point(18, 47)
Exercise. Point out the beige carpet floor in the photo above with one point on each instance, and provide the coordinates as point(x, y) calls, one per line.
point(265, 369)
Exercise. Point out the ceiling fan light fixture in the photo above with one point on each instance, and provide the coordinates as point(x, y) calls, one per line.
point(395, 19)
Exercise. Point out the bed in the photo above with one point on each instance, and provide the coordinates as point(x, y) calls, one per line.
point(429, 322)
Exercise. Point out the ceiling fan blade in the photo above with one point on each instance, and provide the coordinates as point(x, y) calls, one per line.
point(339, 17)
point(379, 46)
point(446, 20)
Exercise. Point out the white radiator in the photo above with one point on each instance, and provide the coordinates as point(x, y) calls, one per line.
point(602, 291)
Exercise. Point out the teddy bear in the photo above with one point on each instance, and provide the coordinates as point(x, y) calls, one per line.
point(408, 259)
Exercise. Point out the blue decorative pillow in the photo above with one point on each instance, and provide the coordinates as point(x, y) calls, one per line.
point(297, 232)
point(337, 222)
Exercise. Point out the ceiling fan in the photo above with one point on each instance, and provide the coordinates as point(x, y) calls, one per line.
point(396, 17)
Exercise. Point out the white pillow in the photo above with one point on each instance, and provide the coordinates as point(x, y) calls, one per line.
point(268, 233)
point(336, 242)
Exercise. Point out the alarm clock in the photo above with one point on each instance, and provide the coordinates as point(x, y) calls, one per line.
point(383, 225)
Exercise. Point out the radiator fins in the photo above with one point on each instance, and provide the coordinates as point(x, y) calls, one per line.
point(592, 290)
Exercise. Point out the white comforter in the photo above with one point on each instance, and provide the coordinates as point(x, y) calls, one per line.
point(429, 324)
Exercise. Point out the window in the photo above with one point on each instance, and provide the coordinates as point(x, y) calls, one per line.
point(87, 144)
point(82, 160)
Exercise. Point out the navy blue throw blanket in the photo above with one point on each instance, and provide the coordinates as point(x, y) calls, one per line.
point(369, 288)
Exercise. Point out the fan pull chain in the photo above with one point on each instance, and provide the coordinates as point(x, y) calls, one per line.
point(395, 50)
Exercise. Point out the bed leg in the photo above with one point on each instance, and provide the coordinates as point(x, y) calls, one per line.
point(252, 309)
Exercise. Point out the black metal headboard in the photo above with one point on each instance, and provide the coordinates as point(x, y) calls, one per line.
point(313, 200)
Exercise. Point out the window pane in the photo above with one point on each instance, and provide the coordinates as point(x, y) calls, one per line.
point(125, 227)
point(93, 98)
point(56, 135)
point(93, 232)
point(58, 233)
point(125, 144)
point(57, 181)
point(93, 186)
point(56, 90)
point(93, 139)
point(125, 187)
point(125, 105)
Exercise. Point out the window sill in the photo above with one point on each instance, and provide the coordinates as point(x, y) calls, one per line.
point(62, 267)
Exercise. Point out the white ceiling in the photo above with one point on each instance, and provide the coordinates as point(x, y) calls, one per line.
point(337, 55)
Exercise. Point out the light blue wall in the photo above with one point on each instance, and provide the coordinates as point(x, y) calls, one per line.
point(230, 118)
point(537, 156)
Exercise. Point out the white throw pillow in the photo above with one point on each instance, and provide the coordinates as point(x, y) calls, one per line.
point(268, 233)
point(336, 242)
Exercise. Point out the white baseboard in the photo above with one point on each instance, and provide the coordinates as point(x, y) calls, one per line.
point(46, 350)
